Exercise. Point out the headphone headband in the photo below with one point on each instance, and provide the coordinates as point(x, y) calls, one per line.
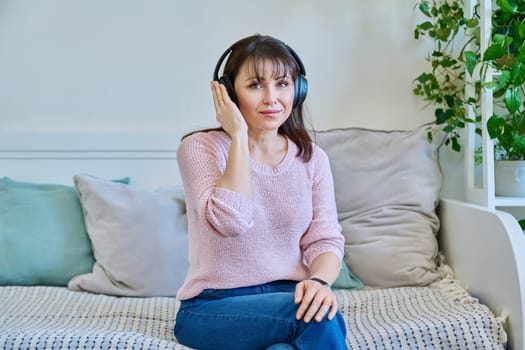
point(219, 63)
point(295, 56)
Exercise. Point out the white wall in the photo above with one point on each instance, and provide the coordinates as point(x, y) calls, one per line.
point(132, 65)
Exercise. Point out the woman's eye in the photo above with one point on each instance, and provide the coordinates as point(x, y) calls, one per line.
point(255, 85)
point(283, 84)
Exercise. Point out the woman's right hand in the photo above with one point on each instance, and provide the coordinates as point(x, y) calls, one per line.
point(237, 175)
point(227, 113)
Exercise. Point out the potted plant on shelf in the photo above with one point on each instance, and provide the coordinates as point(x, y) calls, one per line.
point(505, 55)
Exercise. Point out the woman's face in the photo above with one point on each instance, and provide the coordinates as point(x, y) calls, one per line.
point(265, 101)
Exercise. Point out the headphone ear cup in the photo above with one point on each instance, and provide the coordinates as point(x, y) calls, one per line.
point(227, 82)
point(301, 89)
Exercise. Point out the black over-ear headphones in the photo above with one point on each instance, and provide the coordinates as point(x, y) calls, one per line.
point(301, 84)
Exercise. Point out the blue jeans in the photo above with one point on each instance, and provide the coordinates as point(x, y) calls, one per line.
point(252, 318)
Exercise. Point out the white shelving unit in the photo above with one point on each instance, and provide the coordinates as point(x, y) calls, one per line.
point(480, 189)
point(483, 192)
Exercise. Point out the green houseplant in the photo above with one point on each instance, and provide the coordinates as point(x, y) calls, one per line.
point(456, 54)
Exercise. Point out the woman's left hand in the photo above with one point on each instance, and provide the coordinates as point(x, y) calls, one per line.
point(314, 301)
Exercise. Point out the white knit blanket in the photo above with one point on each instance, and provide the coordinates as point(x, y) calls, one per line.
point(441, 316)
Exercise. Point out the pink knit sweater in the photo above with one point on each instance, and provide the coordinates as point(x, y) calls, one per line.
point(237, 242)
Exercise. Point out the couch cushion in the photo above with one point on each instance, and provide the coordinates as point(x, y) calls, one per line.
point(387, 186)
point(43, 240)
point(139, 239)
point(441, 316)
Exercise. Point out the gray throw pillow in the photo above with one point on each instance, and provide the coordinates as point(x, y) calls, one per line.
point(138, 236)
point(387, 186)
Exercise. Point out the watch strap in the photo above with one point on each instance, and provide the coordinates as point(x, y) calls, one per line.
point(323, 282)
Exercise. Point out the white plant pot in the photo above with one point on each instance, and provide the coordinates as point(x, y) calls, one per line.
point(510, 178)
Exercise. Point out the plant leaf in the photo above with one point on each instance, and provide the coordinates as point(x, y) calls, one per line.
point(455, 144)
point(430, 138)
point(519, 77)
point(471, 23)
point(496, 126)
point(512, 99)
point(442, 116)
point(508, 5)
point(490, 85)
point(425, 25)
point(423, 7)
point(503, 79)
point(494, 52)
point(498, 39)
point(449, 99)
point(448, 62)
point(471, 59)
point(422, 78)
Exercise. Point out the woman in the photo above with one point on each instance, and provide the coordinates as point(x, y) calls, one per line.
point(265, 242)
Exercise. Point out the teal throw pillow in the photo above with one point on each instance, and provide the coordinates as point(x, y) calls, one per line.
point(346, 279)
point(43, 239)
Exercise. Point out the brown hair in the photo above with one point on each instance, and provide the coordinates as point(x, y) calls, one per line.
point(255, 48)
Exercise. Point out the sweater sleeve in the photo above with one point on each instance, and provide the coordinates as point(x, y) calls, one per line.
point(324, 234)
point(202, 160)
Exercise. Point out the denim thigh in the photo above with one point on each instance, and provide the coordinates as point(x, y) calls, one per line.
point(239, 318)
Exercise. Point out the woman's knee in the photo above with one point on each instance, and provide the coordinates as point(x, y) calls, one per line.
point(329, 334)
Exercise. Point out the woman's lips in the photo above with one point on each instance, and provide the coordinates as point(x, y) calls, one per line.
point(271, 112)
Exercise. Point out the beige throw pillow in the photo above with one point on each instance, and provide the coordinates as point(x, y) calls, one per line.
point(138, 236)
point(387, 186)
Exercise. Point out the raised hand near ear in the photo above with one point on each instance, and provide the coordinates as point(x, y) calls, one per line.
point(227, 112)
point(237, 175)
